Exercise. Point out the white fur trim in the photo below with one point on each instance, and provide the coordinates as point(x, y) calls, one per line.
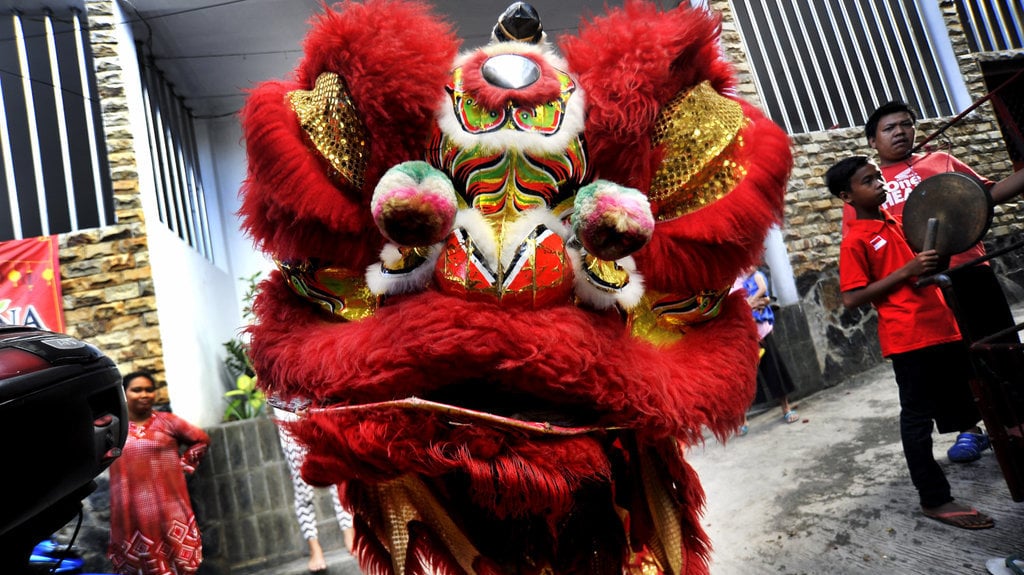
point(484, 239)
point(380, 283)
point(480, 231)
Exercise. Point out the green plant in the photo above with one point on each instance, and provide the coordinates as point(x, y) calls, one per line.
point(246, 400)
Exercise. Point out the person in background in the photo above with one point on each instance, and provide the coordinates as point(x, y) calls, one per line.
point(153, 530)
point(305, 510)
point(773, 379)
point(916, 330)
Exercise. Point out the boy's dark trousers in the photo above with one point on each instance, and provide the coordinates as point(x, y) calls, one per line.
point(933, 386)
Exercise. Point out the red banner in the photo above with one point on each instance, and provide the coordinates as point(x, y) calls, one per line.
point(30, 284)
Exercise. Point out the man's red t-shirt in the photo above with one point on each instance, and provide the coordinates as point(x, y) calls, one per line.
point(909, 317)
point(902, 177)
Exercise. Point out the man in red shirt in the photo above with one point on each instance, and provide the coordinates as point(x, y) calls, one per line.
point(890, 131)
point(916, 330)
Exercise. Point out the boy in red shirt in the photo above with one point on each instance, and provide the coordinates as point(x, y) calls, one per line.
point(916, 330)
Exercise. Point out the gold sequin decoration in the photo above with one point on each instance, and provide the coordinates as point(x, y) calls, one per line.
point(650, 567)
point(667, 516)
point(662, 319)
point(329, 118)
point(408, 499)
point(699, 130)
point(338, 291)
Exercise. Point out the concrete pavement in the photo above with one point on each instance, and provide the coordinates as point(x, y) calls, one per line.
point(831, 494)
point(339, 562)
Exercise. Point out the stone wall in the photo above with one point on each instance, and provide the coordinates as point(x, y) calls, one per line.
point(106, 278)
point(244, 502)
point(732, 46)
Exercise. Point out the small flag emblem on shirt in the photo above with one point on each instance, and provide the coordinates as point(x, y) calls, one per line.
point(878, 242)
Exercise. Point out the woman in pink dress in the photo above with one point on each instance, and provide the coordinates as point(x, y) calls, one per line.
point(152, 527)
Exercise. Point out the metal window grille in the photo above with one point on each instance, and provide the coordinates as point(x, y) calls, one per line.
point(181, 201)
point(1005, 79)
point(817, 65)
point(992, 25)
point(54, 176)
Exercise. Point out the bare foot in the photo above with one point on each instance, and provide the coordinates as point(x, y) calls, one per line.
point(959, 515)
point(316, 557)
point(350, 538)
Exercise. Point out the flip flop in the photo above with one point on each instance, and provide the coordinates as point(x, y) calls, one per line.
point(958, 519)
point(791, 416)
point(1012, 565)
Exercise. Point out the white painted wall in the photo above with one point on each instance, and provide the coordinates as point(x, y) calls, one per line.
point(197, 301)
point(224, 167)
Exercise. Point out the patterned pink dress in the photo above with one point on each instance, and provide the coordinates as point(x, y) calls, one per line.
point(152, 527)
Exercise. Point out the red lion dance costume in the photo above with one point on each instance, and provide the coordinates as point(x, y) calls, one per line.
point(502, 300)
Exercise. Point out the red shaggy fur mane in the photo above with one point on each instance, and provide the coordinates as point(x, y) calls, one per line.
point(626, 89)
point(394, 57)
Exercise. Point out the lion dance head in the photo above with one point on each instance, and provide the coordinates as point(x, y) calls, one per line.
point(502, 306)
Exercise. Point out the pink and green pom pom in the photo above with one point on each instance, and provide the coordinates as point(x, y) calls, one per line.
point(414, 204)
point(612, 221)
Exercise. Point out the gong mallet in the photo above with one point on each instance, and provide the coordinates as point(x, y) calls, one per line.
point(930, 237)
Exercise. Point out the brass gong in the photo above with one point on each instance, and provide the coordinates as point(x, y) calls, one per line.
point(961, 205)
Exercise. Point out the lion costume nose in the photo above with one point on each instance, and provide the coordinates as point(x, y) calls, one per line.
point(510, 71)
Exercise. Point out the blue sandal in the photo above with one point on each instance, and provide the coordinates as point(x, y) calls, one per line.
point(968, 447)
